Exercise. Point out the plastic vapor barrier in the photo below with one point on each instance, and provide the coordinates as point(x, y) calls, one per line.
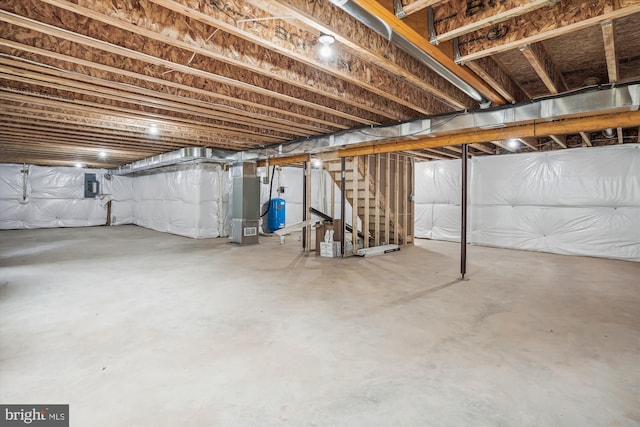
point(46, 197)
point(575, 202)
point(188, 200)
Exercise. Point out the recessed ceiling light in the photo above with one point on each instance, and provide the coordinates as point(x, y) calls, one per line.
point(78, 165)
point(513, 143)
point(153, 129)
point(326, 51)
point(102, 154)
point(326, 40)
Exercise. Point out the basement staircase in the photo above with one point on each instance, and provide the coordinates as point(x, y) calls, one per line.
point(379, 189)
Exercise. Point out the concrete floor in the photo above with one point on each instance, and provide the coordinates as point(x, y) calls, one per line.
point(133, 327)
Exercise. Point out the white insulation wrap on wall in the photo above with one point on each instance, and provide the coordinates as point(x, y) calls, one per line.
point(188, 200)
point(576, 202)
point(291, 178)
point(44, 197)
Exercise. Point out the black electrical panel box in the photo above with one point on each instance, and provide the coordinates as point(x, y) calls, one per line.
point(91, 186)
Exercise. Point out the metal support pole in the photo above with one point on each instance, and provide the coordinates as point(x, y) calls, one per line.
point(343, 197)
point(305, 165)
point(463, 226)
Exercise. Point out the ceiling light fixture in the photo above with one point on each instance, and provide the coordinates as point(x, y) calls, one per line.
point(326, 40)
point(316, 163)
point(102, 154)
point(153, 129)
point(78, 165)
point(513, 143)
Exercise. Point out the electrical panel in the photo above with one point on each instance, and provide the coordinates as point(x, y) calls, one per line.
point(91, 186)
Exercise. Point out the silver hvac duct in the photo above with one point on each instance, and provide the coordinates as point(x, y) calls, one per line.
point(382, 28)
point(593, 101)
point(184, 155)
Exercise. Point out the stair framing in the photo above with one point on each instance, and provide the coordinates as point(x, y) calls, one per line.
point(379, 188)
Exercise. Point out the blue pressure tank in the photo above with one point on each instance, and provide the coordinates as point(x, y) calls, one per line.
point(275, 217)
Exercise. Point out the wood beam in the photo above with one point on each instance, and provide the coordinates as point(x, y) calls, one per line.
point(453, 19)
point(620, 136)
point(586, 140)
point(325, 17)
point(560, 140)
point(498, 79)
point(530, 130)
point(561, 18)
point(281, 161)
point(610, 50)
point(544, 67)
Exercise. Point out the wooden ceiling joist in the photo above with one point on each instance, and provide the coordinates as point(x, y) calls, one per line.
point(561, 18)
point(610, 50)
point(586, 140)
point(356, 37)
point(419, 41)
point(123, 102)
point(620, 135)
point(219, 102)
point(561, 140)
point(110, 48)
point(229, 49)
point(544, 67)
point(142, 97)
point(94, 134)
point(413, 6)
point(134, 118)
point(327, 17)
point(50, 133)
point(453, 19)
point(532, 143)
point(497, 78)
point(481, 147)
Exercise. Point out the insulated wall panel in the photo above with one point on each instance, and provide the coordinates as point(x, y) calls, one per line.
point(186, 200)
point(577, 202)
point(437, 200)
point(50, 197)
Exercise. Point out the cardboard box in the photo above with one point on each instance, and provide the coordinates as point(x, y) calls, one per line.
point(330, 249)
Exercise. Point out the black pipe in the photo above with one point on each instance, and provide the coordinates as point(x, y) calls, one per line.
point(304, 204)
point(343, 195)
point(463, 227)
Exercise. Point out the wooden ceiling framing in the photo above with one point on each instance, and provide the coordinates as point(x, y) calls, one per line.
point(105, 83)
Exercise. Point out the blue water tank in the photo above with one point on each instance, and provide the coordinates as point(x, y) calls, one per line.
point(275, 217)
